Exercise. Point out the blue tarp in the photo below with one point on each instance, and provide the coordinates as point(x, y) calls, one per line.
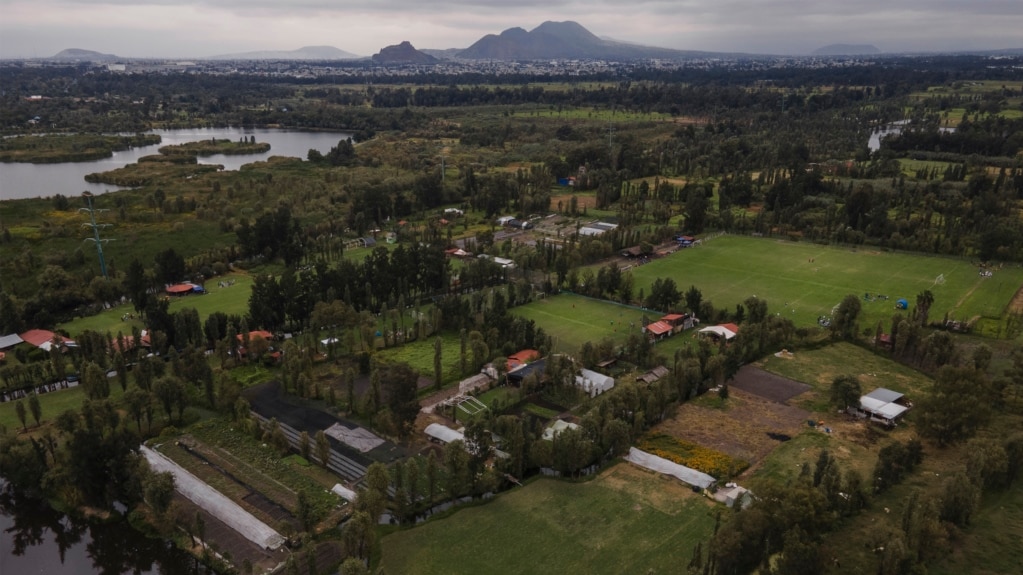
point(901, 303)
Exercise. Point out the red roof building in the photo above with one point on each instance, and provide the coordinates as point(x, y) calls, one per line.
point(522, 357)
point(659, 329)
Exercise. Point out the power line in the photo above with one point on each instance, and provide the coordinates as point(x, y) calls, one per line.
point(95, 231)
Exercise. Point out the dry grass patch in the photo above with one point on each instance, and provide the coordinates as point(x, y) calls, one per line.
point(740, 428)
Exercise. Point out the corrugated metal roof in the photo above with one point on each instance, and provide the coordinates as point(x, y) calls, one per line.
point(885, 395)
point(10, 340)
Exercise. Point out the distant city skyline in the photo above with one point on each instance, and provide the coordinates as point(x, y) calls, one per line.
point(204, 28)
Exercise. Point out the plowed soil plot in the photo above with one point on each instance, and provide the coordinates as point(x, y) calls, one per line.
point(746, 427)
point(767, 385)
point(228, 540)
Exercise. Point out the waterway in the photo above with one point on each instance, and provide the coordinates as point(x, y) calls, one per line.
point(36, 539)
point(20, 180)
point(874, 143)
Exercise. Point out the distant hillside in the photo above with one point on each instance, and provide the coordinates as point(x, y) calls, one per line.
point(846, 50)
point(304, 53)
point(562, 41)
point(83, 55)
point(403, 53)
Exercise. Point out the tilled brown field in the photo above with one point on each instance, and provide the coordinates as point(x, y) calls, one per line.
point(743, 428)
point(754, 380)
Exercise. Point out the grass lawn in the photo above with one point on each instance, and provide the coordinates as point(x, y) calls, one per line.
point(729, 269)
point(52, 404)
point(419, 355)
point(573, 320)
point(624, 521)
point(819, 367)
point(232, 300)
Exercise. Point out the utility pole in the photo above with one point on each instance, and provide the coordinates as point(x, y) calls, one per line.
point(610, 142)
point(95, 231)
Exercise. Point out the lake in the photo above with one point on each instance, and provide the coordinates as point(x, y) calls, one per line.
point(19, 180)
point(874, 143)
point(36, 539)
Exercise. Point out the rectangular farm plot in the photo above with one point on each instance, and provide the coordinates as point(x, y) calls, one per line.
point(747, 427)
point(625, 520)
point(803, 281)
point(573, 320)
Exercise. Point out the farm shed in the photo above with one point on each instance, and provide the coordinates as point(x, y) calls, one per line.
point(442, 434)
point(10, 340)
point(658, 329)
point(654, 374)
point(883, 406)
point(594, 383)
point(661, 465)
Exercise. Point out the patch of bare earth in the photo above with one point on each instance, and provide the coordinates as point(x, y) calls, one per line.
point(561, 202)
point(748, 428)
point(1016, 305)
point(657, 491)
point(754, 380)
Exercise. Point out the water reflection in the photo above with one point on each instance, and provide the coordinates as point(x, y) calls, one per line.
point(34, 538)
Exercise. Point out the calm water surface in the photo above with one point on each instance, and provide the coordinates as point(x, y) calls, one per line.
point(35, 539)
point(19, 180)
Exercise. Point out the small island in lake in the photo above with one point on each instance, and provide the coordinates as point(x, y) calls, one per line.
point(214, 146)
point(59, 148)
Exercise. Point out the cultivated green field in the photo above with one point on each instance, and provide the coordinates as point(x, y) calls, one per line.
point(624, 521)
point(233, 300)
point(573, 320)
point(729, 269)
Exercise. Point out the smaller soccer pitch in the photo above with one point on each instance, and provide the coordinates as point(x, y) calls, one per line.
point(804, 281)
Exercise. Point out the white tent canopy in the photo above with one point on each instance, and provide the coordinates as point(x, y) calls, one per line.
point(719, 331)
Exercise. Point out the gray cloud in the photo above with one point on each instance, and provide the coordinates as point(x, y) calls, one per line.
point(196, 28)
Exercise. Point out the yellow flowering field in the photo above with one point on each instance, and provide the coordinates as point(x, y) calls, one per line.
point(709, 461)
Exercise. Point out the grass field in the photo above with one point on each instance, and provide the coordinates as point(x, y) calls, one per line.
point(819, 367)
point(573, 320)
point(729, 269)
point(232, 300)
point(419, 355)
point(51, 405)
point(624, 521)
point(991, 545)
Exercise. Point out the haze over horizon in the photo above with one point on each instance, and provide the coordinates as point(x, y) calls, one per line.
point(204, 28)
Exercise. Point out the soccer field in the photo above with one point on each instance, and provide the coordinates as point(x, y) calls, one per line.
point(624, 521)
point(803, 281)
point(573, 320)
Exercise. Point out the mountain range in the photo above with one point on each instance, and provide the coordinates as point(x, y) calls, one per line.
point(548, 41)
point(563, 41)
point(303, 53)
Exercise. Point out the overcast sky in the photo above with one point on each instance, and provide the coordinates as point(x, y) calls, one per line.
point(198, 28)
